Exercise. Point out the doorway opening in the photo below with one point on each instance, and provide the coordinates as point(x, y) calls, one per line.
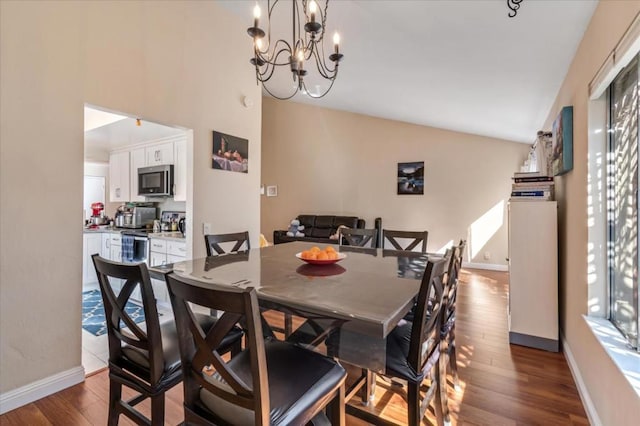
point(116, 145)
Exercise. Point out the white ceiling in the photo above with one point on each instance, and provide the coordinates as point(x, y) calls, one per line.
point(462, 65)
point(99, 141)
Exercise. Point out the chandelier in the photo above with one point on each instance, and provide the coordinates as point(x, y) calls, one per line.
point(303, 51)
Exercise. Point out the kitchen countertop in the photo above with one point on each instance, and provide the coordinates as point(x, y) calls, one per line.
point(176, 235)
point(107, 230)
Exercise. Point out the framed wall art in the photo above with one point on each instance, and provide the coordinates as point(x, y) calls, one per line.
point(562, 145)
point(230, 153)
point(411, 178)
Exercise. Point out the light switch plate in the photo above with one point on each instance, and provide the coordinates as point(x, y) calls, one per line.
point(206, 228)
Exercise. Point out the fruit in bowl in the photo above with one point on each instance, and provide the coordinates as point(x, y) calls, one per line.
point(316, 256)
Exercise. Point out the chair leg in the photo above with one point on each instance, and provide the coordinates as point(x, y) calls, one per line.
point(369, 387)
point(115, 395)
point(288, 325)
point(442, 403)
point(413, 404)
point(453, 364)
point(335, 408)
point(157, 409)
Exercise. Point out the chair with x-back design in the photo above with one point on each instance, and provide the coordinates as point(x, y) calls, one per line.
point(213, 241)
point(147, 359)
point(405, 240)
point(270, 382)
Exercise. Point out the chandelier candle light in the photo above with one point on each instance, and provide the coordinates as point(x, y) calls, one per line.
point(305, 45)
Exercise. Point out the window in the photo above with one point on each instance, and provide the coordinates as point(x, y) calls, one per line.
point(622, 201)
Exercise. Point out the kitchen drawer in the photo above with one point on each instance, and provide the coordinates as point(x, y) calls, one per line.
point(177, 248)
point(174, 259)
point(157, 259)
point(116, 239)
point(158, 246)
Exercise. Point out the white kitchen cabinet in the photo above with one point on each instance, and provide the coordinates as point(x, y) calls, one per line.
point(157, 259)
point(177, 248)
point(158, 256)
point(115, 252)
point(91, 244)
point(180, 171)
point(171, 258)
point(119, 173)
point(158, 154)
point(533, 274)
point(105, 250)
point(138, 159)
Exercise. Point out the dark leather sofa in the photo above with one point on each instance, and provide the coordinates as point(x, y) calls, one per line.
point(318, 229)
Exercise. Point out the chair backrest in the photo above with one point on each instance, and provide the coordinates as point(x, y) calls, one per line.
point(358, 237)
point(398, 239)
point(451, 286)
point(212, 242)
point(428, 316)
point(147, 342)
point(198, 350)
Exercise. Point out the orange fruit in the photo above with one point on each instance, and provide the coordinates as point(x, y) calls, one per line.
point(332, 255)
point(322, 255)
point(329, 249)
point(315, 249)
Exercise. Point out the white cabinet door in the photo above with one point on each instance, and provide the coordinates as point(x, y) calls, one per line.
point(105, 250)
point(138, 159)
point(533, 274)
point(115, 253)
point(157, 259)
point(119, 176)
point(174, 259)
point(159, 154)
point(92, 243)
point(177, 248)
point(158, 245)
point(180, 171)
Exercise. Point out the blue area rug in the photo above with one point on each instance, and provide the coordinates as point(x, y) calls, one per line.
point(93, 319)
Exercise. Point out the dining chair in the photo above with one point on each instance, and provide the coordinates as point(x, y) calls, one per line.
point(448, 335)
point(413, 354)
point(270, 382)
point(213, 241)
point(358, 237)
point(145, 359)
point(405, 240)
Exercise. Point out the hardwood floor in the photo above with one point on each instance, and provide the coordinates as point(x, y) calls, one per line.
point(500, 384)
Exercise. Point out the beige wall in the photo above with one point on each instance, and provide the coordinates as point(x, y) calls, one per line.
point(333, 162)
point(614, 399)
point(181, 63)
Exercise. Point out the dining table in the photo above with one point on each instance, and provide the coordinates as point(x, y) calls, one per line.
point(363, 295)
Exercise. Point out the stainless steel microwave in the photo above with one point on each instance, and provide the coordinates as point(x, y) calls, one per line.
point(156, 181)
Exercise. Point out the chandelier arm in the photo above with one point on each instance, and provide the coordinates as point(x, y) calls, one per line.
point(271, 67)
point(323, 69)
point(275, 55)
point(264, 86)
point(317, 96)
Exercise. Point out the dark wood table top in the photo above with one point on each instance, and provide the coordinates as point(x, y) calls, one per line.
point(370, 289)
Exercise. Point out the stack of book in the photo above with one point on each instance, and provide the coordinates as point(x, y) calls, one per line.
point(528, 186)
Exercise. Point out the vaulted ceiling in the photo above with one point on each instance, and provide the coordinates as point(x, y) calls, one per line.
point(463, 65)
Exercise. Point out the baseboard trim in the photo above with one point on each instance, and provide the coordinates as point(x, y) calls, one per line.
point(486, 266)
point(590, 409)
point(40, 388)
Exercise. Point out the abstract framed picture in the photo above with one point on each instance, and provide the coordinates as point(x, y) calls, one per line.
point(562, 145)
point(411, 178)
point(230, 153)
